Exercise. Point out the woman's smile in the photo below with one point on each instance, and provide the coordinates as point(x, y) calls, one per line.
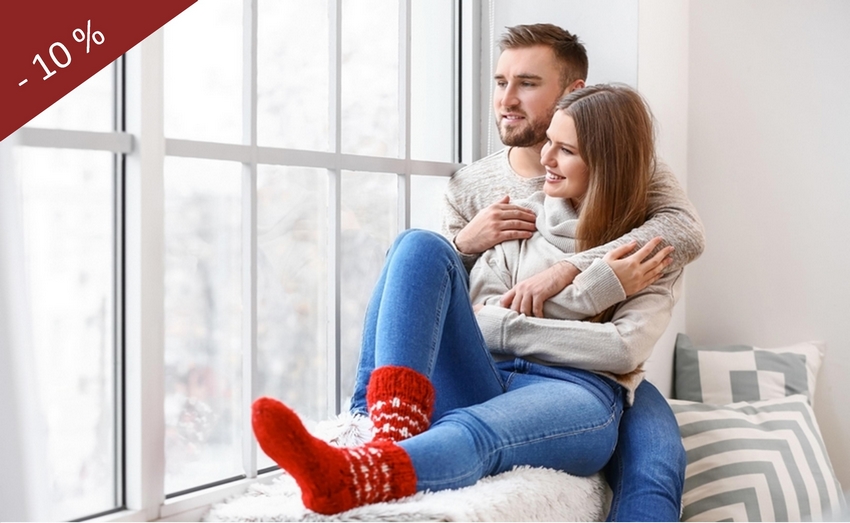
point(554, 178)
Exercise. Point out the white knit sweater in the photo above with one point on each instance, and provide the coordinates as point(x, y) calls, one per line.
point(616, 349)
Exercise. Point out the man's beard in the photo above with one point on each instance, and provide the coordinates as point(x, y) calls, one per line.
point(527, 136)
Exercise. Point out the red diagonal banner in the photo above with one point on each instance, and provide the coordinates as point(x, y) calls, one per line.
point(49, 47)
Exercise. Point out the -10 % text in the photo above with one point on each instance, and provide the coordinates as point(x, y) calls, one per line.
point(63, 59)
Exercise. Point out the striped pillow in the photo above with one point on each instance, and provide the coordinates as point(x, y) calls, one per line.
point(722, 374)
point(761, 461)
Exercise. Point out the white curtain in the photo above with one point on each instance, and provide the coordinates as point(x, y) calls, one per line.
point(22, 430)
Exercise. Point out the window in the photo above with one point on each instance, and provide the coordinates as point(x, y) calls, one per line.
point(289, 168)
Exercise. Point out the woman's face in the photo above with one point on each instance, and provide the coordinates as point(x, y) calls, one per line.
point(566, 172)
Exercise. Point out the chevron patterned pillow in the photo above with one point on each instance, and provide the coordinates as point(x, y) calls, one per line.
point(759, 461)
point(722, 374)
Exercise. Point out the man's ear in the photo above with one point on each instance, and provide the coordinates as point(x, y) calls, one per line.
point(578, 84)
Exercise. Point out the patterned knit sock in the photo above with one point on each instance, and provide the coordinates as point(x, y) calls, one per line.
point(332, 479)
point(400, 401)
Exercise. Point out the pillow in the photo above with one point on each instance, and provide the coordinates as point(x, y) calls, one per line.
point(761, 461)
point(727, 374)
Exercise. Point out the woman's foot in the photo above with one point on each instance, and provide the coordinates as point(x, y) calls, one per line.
point(332, 479)
point(400, 402)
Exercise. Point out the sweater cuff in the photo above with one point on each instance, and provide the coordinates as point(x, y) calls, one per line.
point(490, 319)
point(467, 259)
point(581, 261)
point(601, 284)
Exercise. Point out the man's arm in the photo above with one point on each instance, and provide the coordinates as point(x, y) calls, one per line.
point(670, 215)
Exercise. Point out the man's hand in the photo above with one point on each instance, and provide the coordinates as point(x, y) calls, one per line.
point(495, 223)
point(527, 297)
point(635, 271)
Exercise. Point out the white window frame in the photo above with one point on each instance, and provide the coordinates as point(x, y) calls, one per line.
point(144, 235)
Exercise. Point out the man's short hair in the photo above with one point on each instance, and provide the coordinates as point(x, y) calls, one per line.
point(569, 51)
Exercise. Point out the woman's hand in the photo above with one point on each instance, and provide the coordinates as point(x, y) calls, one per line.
point(635, 271)
point(527, 297)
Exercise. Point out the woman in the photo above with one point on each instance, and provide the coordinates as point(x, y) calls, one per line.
point(459, 392)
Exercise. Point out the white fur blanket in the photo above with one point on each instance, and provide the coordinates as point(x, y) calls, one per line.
point(522, 494)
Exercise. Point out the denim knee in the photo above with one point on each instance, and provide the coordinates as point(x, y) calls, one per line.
point(423, 240)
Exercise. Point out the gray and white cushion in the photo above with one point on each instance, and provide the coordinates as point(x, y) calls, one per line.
point(760, 461)
point(722, 374)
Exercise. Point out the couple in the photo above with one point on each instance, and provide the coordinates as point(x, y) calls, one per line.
point(534, 357)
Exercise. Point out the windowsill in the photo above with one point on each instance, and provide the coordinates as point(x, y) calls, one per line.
point(191, 507)
point(202, 500)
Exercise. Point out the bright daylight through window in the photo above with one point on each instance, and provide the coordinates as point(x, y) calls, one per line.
point(69, 217)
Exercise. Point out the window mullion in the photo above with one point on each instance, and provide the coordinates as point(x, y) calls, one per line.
point(249, 235)
point(334, 346)
point(471, 81)
point(404, 90)
point(144, 281)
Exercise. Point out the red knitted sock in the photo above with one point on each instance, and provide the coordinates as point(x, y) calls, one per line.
point(400, 401)
point(332, 479)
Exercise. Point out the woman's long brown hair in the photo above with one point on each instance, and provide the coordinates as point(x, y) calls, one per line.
point(616, 141)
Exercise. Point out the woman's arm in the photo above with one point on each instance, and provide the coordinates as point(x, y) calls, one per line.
point(592, 292)
point(618, 346)
point(622, 272)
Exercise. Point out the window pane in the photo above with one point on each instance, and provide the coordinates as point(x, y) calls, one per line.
point(83, 109)
point(203, 321)
point(292, 227)
point(203, 73)
point(432, 88)
point(369, 226)
point(68, 231)
point(292, 74)
point(370, 77)
point(426, 202)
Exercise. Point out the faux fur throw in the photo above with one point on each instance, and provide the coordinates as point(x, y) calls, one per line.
point(522, 494)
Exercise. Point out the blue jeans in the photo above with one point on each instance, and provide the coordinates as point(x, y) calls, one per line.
point(488, 417)
point(646, 471)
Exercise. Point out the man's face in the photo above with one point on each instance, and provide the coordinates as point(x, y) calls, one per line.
point(527, 88)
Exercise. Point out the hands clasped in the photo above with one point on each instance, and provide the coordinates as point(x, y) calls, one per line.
point(636, 272)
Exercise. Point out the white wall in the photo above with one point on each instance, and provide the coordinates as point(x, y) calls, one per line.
point(769, 171)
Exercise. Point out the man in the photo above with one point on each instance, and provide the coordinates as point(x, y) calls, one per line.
point(537, 66)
